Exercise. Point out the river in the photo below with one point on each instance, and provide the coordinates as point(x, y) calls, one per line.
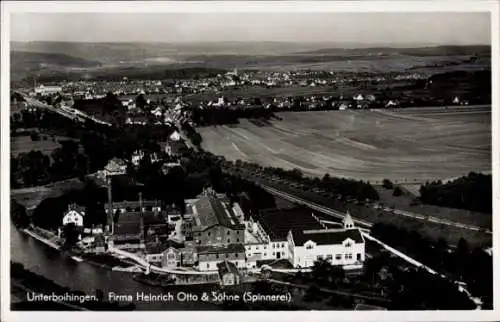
point(85, 277)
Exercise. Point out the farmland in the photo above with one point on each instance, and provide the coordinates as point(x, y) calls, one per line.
point(24, 144)
point(405, 145)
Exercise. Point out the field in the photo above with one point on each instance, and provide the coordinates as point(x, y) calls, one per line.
point(411, 145)
point(31, 197)
point(460, 215)
point(24, 144)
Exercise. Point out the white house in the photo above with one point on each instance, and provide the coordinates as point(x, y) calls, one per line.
point(358, 97)
point(343, 107)
point(260, 246)
point(391, 104)
point(137, 157)
point(175, 136)
point(344, 246)
point(48, 90)
point(74, 216)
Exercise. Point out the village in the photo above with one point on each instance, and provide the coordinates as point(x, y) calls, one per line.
point(149, 101)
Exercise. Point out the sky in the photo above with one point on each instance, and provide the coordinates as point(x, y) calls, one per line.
point(459, 28)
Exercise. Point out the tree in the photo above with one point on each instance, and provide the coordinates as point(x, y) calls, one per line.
point(112, 101)
point(18, 215)
point(387, 184)
point(324, 273)
point(141, 101)
point(397, 192)
point(462, 247)
point(35, 136)
point(70, 234)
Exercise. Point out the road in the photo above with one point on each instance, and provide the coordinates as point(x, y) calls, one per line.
point(337, 214)
point(323, 209)
point(149, 267)
point(436, 220)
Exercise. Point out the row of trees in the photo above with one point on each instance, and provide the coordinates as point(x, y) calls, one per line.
point(472, 192)
point(473, 266)
point(192, 134)
point(346, 188)
point(222, 115)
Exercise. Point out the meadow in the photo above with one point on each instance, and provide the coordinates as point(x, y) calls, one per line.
point(24, 144)
point(410, 145)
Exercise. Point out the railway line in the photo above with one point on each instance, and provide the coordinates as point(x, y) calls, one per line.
point(339, 215)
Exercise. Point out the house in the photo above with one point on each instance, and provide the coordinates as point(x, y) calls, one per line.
point(343, 106)
point(99, 244)
point(391, 103)
point(266, 234)
point(228, 274)
point(358, 97)
point(47, 90)
point(175, 136)
point(210, 256)
point(371, 98)
point(93, 230)
point(188, 254)
point(217, 222)
point(137, 157)
point(163, 254)
point(344, 246)
point(172, 258)
point(74, 215)
point(175, 148)
point(115, 166)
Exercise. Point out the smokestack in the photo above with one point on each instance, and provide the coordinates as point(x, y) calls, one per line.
point(111, 222)
point(141, 204)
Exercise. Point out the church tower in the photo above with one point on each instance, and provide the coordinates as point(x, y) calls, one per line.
point(348, 222)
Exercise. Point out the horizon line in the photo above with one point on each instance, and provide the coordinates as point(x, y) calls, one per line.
point(421, 44)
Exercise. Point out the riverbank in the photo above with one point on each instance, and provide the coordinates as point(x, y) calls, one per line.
point(35, 233)
point(102, 260)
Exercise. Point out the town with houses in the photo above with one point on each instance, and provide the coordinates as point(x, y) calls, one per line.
point(309, 188)
point(211, 239)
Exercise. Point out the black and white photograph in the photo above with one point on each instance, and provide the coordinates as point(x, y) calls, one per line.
point(324, 157)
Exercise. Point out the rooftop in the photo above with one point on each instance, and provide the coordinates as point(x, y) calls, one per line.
point(227, 267)
point(231, 248)
point(278, 222)
point(326, 236)
point(161, 247)
point(212, 211)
